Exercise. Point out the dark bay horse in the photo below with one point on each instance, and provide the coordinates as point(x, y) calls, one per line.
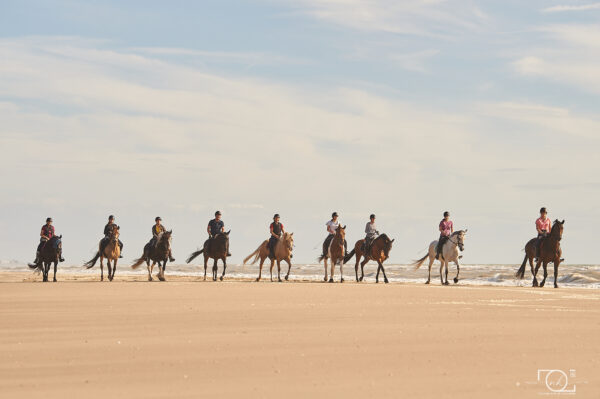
point(111, 252)
point(379, 252)
point(550, 251)
point(158, 253)
point(50, 253)
point(335, 253)
point(216, 248)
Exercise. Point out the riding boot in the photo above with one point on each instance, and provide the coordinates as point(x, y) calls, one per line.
point(345, 248)
point(37, 258)
point(60, 258)
point(171, 258)
point(121, 249)
point(272, 251)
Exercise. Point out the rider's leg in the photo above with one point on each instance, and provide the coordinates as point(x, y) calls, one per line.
point(121, 248)
point(440, 245)
point(326, 244)
point(271, 248)
point(171, 258)
point(345, 247)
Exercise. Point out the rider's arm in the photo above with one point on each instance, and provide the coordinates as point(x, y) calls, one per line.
point(538, 228)
point(271, 230)
point(208, 229)
point(452, 228)
point(42, 234)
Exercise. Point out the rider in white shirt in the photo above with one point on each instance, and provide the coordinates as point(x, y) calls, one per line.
point(332, 226)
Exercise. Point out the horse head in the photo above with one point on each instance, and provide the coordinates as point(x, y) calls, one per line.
point(557, 229)
point(288, 240)
point(460, 239)
point(341, 231)
point(387, 244)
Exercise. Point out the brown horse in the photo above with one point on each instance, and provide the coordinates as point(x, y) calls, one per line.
point(550, 251)
point(50, 253)
point(158, 253)
point(112, 252)
point(217, 248)
point(283, 251)
point(335, 253)
point(379, 252)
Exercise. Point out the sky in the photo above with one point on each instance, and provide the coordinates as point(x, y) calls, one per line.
point(403, 109)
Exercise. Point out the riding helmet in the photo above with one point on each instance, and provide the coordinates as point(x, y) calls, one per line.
point(543, 210)
point(217, 213)
point(156, 219)
point(334, 214)
point(48, 220)
point(446, 213)
point(111, 217)
point(275, 215)
point(372, 216)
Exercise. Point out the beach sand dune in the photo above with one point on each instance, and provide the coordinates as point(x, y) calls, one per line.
point(183, 338)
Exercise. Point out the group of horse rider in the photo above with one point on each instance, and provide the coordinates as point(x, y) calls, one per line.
point(276, 230)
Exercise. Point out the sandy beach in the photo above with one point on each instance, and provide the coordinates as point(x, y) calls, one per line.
point(185, 338)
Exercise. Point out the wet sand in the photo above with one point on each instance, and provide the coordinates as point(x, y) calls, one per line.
point(186, 338)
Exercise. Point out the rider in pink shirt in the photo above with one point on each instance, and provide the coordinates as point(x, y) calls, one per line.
point(543, 225)
point(446, 229)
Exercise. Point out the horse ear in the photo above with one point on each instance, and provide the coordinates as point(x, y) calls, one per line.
point(171, 231)
point(393, 240)
point(291, 234)
point(228, 232)
point(465, 231)
point(563, 222)
point(344, 228)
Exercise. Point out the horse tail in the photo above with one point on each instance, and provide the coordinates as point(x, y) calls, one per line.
point(193, 256)
point(521, 272)
point(35, 266)
point(349, 256)
point(138, 262)
point(256, 254)
point(92, 262)
point(419, 262)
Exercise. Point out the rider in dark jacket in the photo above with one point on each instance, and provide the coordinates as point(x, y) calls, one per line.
point(46, 234)
point(276, 230)
point(107, 232)
point(215, 226)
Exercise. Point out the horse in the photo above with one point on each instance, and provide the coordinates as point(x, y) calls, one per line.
point(550, 251)
point(379, 252)
point(283, 251)
point(217, 248)
point(50, 253)
point(450, 253)
point(111, 252)
point(335, 253)
point(158, 253)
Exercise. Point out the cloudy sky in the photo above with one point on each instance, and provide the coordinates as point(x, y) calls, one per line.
point(404, 109)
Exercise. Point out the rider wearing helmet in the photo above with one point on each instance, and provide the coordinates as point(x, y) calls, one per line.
point(371, 234)
point(107, 232)
point(446, 228)
point(276, 230)
point(332, 226)
point(157, 230)
point(46, 234)
point(215, 226)
point(543, 225)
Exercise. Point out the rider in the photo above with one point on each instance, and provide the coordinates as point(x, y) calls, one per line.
point(215, 226)
point(332, 226)
point(371, 234)
point(446, 228)
point(45, 235)
point(543, 225)
point(107, 232)
point(276, 230)
point(157, 230)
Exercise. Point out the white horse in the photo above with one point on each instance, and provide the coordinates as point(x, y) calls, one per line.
point(450, 253)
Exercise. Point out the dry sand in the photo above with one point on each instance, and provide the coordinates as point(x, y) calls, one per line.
point(184, 338)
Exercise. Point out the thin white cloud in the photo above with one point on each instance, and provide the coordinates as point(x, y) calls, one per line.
point(416, 61)
point(580, 7)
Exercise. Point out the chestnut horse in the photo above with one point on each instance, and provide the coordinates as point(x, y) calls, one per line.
point(283, 251)
point(111, 252)
point(379, 252)
point(217, 248)
point(158, 253)
point(550, 251)
point(335, 253)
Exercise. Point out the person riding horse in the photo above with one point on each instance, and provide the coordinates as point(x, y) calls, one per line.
point(215, 226)
point(45, 235)
point(543, 225)
point(332, 226)
point(157, 230)
point(108, 229)
point(371, 234)
point(276, 231)
point(446, 229)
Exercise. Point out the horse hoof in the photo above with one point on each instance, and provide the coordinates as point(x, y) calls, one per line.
point(427, 282)
point(325, 279)
point(286, 278)
point(279, 280)
point(386, 281)
point(446, 283)
point(331, 280)
point(360, 279)
point(342, 280)
point(221, 278)
point(555, 286)
point(455, 280)
point(54, 280)
point(257, 280)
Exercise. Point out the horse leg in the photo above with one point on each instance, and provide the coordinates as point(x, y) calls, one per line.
point(537, 267)
point(215, 269)
point(114, 268)
point(149, 270)
point(446, 267)
point(532, 270)
point(342, 271)
point(362, 270)
point(545, 266)
point(377, 275)
point(109, 268)
point(224, 259)
point(356, 268)
point(56, 265)
point(101, 268)
point(289, 262)
point(262, 261)
point(46, 270)
point(385, 279)
point(332, 261)
point(556, 263)
point(205, 266)
point(457, 271)
point(162, 269)
point(271, 268)
point(279, 270)
point(325, 264)
point(442, 271)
